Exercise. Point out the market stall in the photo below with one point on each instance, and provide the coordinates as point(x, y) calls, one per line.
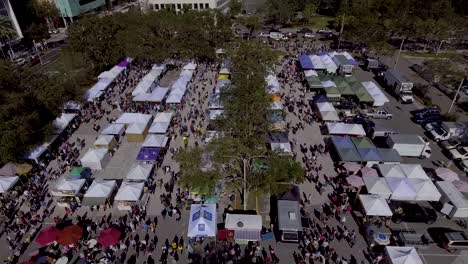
point(114, 129)
point(375, 205)
point(454, 203)
point(99, 192)
point(202, 221)
point(156, 140)
point(66, 190)
point(156, 96)
point(345, 129)
point(289, 220)
point(140, 172)
point(245, 227)
point(377, 185)
point(403, 255)
point(96, 158)
point(105, 141)
point(7, 182)
point(136, 132)
point(129, 193)
point(148, 154)
point(376, 93)
point(327, 112)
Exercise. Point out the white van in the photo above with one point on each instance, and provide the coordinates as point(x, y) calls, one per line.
point(276, 35)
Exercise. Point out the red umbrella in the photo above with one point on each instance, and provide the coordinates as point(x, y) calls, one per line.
point(70, 235)
point(109, 237)
point(47, 235)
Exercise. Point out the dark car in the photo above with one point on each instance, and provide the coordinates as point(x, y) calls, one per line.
point(304, 30)
point(425, 111)
point(412, 212)
point(362, 121)
point(345, 105)
point(426, 119)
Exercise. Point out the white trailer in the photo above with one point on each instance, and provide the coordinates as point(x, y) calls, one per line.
point(409, 145)
point(399, 85)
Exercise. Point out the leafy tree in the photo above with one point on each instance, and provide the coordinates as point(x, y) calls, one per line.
point(280, 10)
point(309, 12)
point(44, 9)
point(235, 7)
point(251, 22)
point(6, 30)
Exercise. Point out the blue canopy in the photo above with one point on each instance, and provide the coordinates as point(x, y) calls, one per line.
point(342, 142)
point(148, 154)
point(369, 154)
point(306, 63)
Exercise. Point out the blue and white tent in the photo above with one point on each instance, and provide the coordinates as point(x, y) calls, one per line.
point(202, 222)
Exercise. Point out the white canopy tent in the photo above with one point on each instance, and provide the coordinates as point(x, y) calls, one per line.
point(63, 121)
point(390, 170)
point(215, 114)
point(345, 129)
point(325, 106)
point(132, 118)
point(36, 153)
point(155, 140)
point(130, 191)
point(136, 128)
point(276, 105)
point(97, 90)
point(159, 128)
point(310, 73)
point(105, 141)
point(246, 227)
point(150, 79)
point(402, 189)
point(100, 189)
point(140, 172)
point(375, 205)
point(425, 190)
point(95, 158)
point(403, 255)
point(317, 62)
point(376, 93)
point(282, 147)
point(156, 96)
point(413, 171)
point(330, 65)
point(68, 187)
point(328, 84)
point(175, 96)
point(455, 204)
point(329, 116)
point(377, 185)
point(114, 129)
point(163, 117)
point(190, 66)
point(7, 182)
point(273, 85)
point(202, 222)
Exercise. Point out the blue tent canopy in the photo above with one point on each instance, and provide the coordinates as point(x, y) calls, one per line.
point(306, 63)
point(342, 142)
point(148, 154)
point(369, 154)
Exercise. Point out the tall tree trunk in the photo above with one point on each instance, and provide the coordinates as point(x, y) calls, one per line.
point(245, 182)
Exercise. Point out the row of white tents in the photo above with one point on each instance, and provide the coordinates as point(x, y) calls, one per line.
point(180, 86)
point(345, 129)
point(147, 83)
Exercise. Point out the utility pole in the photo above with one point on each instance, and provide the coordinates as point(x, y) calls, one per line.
point(456, 95)
point(399, 52)
point(440, 46)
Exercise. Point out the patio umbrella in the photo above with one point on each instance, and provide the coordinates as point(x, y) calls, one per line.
point(355, 181)
point(352, 167)
point(70, 235)
point(47, 235)
point(447, 174)
point(368, 171)
point(461, 186)
point(109, 237)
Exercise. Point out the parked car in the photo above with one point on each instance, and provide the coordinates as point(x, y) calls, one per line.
point(264, 35)
point(453, 241)
point(423, 120)
point(425, 111)
point(439, 134)
point(460, 153)
point(430, 126)
point(378, 114)
point(451, 143)
point(325, 31)
point(412, 212)
point(304, 30)
point(309, 35)
point(345, 105)
point(463, 164)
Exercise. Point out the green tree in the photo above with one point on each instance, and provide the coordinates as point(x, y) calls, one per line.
point(309, 12)
point(281, 11)
point(6, 30)
point(235, 7)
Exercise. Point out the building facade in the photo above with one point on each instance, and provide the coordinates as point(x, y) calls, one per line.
point(73, 8)
point(7, 11)
point(180, 5)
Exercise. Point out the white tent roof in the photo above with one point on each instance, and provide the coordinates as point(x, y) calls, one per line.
point(190, 66)
point(377, 185)
point(455, 197)
point(103, 140)
point(329, 116)
point(390, 170)
point(161, 67)
point(175, 97)
point(272, 81)
point(159, 127)
point(130, 191)
point(215, 114)
point(403, 255)
point(375, 205)
point(325, 107)
point(136, 128)
point(155, 96)
point(329, 63)
point(402, 189)
point(328, 83)
point(345, 129)
point(376, 93)
point(69, 185)
point(317, 62)
point(276, 105)
point(243, 222)
point(62, 122)
point(202, 222)
point(414, 171)
point(281, 147)
point(114, 129)
point(101, 189)
point(155, 140)
point(425, 190)
point(131, 118)
point(7, 182)
point(139, 171)
point(37, 152)
point(94, 155)
point(309, 73)
point(97, 90)
point(163, 117)
point(224, 71)
point(144, 86)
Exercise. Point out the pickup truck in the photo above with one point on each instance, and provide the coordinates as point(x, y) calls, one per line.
point(380, 114)
point(460, 153)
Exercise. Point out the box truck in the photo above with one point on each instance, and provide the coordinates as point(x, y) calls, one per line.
point(409, 145)
point(399, 85)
